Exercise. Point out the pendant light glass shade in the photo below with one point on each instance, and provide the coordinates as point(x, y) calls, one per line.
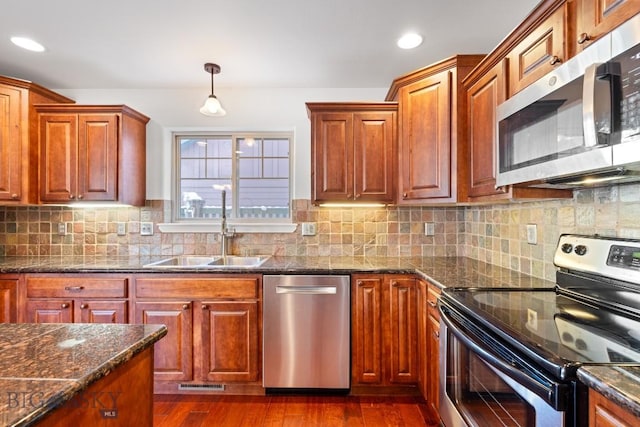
point(212, 106)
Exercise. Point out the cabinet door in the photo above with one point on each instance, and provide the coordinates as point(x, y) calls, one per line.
point(102, 311)
point(173, 353)
point(539, 53)
point(596, 18)
point(97, 157)
point(433, 384)
point(402, 324)
point(374, 148)
point(366, 329)
point(10, 143)
point(230, 341)
point(425, 138)
point(8, 300)
point(58, 137)
point(604, 413)
point(50, 311)
point(332, 156)
point(423, 342)
point(483, 98)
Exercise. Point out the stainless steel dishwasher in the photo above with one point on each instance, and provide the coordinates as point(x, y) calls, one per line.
point(306, 332)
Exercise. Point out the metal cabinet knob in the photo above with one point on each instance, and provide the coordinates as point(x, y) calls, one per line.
point(404, 195)
point(583, 38)
point(185, 306)
point(555, 59)
point(84, 306)
point(64, 305)
point(79, 196)
point(14, 196)
point(205, 307)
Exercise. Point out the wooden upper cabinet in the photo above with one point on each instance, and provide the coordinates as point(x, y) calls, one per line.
point(88, 153)
point(431, 131)
point(595, 18)
point(484, 96)
point(542, 50)
point(425, 137)
point(353, 149)
point(18, 136)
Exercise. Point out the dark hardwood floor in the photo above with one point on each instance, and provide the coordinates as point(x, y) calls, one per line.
point(257, 411)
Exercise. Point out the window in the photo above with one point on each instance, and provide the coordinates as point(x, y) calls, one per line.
point(251, 170)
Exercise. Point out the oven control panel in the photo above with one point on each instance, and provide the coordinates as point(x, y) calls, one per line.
point(606, 256)
point(624, 256)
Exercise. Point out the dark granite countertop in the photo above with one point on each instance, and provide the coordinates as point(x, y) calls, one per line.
point(44, 365)
point(442, 271)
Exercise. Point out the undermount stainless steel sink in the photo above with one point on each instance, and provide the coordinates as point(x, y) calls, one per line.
point(193, 261)
point(239, 261)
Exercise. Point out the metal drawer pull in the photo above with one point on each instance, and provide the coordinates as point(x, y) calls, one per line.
point(73, 288)
point(433, 304)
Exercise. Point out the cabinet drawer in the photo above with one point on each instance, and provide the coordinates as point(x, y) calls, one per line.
point(66, 287)
point(197, 288)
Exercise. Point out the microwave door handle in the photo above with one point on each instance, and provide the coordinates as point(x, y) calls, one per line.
point(588, 106)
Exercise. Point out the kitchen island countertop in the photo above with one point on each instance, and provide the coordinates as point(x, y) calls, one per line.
point(42, 366)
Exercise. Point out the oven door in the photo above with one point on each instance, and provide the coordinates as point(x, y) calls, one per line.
point(480, 388)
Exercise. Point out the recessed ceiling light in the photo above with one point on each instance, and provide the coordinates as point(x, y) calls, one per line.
point(409, 41)
point(27, 43)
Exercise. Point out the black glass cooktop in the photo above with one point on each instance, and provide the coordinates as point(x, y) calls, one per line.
point(557, 329)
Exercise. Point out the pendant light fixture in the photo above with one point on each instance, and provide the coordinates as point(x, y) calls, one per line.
point(212, 106)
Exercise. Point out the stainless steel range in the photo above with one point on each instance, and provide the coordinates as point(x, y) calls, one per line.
point(510, 356)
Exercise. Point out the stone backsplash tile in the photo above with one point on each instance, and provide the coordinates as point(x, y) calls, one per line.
point(492, 233)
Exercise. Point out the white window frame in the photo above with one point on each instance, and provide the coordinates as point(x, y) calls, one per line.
point(241, 225)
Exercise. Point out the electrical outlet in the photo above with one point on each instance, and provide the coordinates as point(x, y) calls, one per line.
point(308, 228)
point(62, 229)
point(146, 229)
point(121, 229)
point(532, 234)
point(429, 228)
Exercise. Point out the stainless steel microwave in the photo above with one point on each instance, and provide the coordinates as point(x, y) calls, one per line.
point(579, 125)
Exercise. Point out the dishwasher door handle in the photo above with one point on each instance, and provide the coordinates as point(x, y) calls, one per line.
point(306, 290)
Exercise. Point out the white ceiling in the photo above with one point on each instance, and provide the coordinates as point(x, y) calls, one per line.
point(146, 44)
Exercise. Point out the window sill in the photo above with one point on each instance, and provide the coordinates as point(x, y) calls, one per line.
point(214, 227)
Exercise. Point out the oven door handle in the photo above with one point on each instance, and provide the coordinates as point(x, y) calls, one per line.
point(530, 383)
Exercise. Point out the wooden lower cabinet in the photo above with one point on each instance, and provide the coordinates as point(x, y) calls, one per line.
point(173, 353)
point(384, 330)
point(213, 329)
point(230, 343)
point(605, 413)
point(69, 298)
point(433, 351)
point(9, 299)
point(429, 346)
